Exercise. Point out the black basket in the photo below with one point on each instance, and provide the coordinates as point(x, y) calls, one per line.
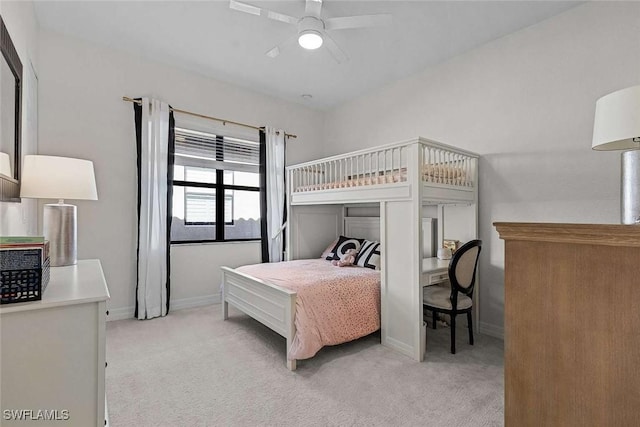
point(23, 285)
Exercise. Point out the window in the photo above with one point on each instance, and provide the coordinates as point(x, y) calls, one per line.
point(216, 194)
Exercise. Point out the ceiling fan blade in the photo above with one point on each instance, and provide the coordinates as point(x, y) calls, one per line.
point(243, 7)
point(274, 52)
point(338, 54)
point(254, 10)
point(313, 8)
point(277, 16)
point(361, 21)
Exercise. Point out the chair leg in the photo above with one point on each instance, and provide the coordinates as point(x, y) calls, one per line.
point(470, 323)
point(435, 318)
point(453, 333)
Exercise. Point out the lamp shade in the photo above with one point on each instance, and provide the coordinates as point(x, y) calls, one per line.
point(617, 120)
point(5, 165)
point(50, 177)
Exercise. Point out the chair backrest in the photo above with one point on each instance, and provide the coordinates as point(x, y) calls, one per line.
point(462, 268)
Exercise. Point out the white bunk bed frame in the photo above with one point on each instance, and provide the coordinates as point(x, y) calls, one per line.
point(402, 177)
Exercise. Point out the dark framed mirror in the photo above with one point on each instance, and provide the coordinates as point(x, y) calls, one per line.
point(10, 118)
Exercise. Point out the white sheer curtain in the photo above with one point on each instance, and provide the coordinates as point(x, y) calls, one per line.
point(154, 147)
point(275, 158)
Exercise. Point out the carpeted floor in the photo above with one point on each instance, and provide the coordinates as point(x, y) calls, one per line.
point(193, 369)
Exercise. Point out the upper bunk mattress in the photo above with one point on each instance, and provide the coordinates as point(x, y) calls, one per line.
point(333, 304)
point(431, 173)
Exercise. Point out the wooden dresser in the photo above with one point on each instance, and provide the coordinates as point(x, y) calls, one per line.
point(52, 354)
point(572, 324)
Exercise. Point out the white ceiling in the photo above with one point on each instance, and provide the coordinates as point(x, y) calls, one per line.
point(209, 38)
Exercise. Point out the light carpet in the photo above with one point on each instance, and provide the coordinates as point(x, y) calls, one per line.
point(191, 368)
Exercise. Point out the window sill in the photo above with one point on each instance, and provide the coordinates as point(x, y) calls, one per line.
point(228, 242)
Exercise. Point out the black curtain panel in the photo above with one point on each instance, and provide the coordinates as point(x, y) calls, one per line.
point(263, 196)
point(284, 211)
point(171, 161)
point(137, 112)
point(273, 200)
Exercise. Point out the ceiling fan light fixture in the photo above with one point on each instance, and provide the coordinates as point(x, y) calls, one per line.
point(310, 39)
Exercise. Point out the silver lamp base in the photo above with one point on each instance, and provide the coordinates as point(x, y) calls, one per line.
point(630, 189)
point(60, 228)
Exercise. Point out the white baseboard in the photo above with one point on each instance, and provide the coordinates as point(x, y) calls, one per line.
point(179, 304)
point(183, 303)
point(491, 330)
point(120, 313)
point(396, 345)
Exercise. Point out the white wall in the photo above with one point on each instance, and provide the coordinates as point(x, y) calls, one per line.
point(525, 102)
point(19, 17)
point(82, 115)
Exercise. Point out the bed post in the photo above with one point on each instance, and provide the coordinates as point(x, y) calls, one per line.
point(401, 306)
point(225, 310)
point(291, 330)
point(291, 364)
point(287, 232)
point(225, 304)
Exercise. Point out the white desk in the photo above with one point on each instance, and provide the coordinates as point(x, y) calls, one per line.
point(434, 271)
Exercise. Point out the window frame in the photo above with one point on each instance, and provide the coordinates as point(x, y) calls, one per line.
point(220, 188)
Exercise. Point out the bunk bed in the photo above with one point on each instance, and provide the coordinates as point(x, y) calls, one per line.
point(402, 180)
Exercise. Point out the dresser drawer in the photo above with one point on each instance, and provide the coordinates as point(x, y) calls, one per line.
point(434, 278)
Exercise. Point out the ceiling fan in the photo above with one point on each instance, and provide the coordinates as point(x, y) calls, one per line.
point(312, 29)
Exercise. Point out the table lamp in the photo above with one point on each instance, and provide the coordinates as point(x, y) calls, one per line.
point(49, 177)
point(617, 127)
point(5, 165)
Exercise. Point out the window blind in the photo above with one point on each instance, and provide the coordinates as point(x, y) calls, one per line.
point(203, 149)
point(201, 207)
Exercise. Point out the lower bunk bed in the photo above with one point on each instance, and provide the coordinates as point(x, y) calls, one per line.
point(312, 303)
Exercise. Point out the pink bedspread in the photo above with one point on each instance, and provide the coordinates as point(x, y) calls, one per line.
point(333, 305)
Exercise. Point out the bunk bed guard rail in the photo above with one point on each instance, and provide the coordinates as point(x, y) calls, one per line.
point(441, 165)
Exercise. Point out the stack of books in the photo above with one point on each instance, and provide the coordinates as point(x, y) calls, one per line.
point(24, 268)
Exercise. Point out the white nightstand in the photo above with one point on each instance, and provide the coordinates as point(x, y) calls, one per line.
point(52, 352)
